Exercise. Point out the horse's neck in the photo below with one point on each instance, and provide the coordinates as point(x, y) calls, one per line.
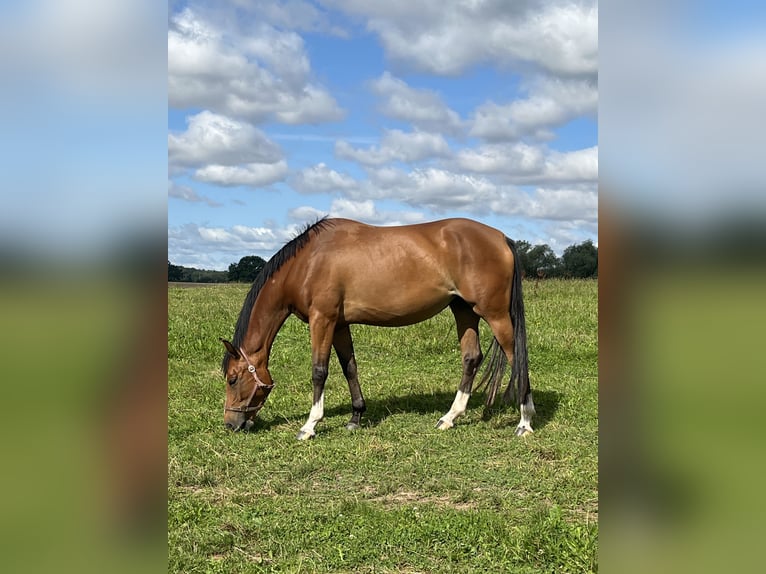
point(267, 317)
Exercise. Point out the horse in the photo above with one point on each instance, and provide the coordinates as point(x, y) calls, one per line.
point(339, 272)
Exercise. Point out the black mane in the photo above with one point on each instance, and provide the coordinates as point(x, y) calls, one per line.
point(272, 266)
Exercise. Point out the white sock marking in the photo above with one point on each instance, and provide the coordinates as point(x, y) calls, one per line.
point(316, 415)
point(527, 411)
point(458, 408)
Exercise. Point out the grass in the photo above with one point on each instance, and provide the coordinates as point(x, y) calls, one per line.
point(397, 495)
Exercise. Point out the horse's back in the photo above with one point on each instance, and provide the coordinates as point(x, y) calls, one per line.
point(404, 274)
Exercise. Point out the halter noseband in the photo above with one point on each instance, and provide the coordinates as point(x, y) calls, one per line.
point(259, 384)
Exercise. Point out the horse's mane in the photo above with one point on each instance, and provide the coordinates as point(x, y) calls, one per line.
point(281, 257)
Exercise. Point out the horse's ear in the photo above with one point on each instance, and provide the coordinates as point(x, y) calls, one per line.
point(230, 348)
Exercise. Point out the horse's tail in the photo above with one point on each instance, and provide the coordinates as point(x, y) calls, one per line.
point(496, 361)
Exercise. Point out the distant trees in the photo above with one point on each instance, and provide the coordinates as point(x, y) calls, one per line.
point(581, 260)
point(179, 273)
point(578, 261)
point(247, 269)
point(175, 272)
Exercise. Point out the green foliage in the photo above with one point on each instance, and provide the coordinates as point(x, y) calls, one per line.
point(247, 269)
point(175, 272)
point(397, 495)
point(581, 260)
point(578, 261)
point(542, 260)
point(179, 273)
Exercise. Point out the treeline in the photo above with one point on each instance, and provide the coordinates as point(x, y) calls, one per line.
point(179, 273)
point(244, 271)
point(577, 261)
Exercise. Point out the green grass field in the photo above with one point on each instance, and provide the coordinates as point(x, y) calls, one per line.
point(397, 495)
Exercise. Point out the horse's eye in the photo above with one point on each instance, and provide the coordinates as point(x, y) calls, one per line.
point(232, 381)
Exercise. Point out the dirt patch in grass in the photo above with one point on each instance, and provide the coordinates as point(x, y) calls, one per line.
point(409, 498)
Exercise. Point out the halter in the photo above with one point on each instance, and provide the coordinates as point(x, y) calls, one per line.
point(259, 384)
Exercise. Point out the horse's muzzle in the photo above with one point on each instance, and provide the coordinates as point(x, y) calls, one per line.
point(246, 425)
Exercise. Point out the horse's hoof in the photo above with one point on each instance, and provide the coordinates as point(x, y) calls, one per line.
point(303, 435)
point(444, 425)
point(523, 431)
point(353, 426)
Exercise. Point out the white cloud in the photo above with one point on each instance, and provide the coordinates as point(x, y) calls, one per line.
point(442, 190)
point(551, 103)
point(567, 204)
point(251, 174)
point(430, 188)
point(286, 15)
point(216, 247)
point(215, 139)
point(559, 36)
point(524, 164)
point(574, 166)
point(322, 179)
point(421, 107)
point(520, 158)
point(365, 211)
point(264, 75)
point(396, 145)
point(186, 193)
point(226, 152)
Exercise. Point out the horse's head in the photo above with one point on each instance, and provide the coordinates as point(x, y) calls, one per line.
point(246, 393)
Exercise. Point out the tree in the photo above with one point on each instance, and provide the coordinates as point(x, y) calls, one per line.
point(175, 272)
point(522, 250)
point(581, 260)
point(541, 258)
point(247, 269)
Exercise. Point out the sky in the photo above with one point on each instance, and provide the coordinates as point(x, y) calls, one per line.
point(389, 113)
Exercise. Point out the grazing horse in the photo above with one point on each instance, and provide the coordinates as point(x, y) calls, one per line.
point(338, 272)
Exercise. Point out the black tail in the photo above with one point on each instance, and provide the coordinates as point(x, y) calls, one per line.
point(496, 362)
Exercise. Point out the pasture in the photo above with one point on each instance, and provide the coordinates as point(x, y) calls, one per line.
point(397, 495)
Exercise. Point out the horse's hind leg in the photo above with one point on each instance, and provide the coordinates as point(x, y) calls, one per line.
point(502, 328)
point(344, 348)
point(468, 334)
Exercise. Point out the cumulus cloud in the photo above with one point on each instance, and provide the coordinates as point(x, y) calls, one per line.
point(262, 76)
point(298, 15)
point(252, 174)
point(526, 164)
point(551, 103)
point(421, 107)
point(396, 145)
point(215, 139)
point(566, 186)
point(560, 204)
point(519, 159)
point(322, 179)
point(226, 152)
point(558, 36)
point(216, 247)
point(364, 210)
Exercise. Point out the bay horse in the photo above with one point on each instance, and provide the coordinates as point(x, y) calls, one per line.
point(339, 272)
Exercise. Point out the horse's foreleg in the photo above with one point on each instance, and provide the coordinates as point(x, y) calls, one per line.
point(321, 339)
point(468, 333)
point(344, 348)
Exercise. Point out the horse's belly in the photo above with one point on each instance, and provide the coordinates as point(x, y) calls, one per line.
point(395, 309)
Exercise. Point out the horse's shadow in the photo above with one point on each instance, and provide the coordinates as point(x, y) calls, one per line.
point(378, 410)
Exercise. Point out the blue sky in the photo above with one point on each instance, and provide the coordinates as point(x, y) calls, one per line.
point(387, 112)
